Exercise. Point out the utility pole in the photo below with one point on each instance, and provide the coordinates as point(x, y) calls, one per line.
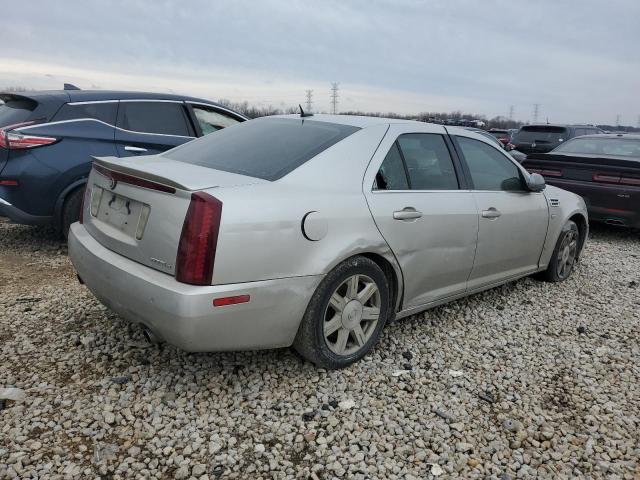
point(334, 97)
point(309, 94)
point(618, 120)
point(536, 111)
point(511, 111)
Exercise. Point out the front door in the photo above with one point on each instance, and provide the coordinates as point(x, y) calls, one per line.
point(512, 220)
point(419, 202)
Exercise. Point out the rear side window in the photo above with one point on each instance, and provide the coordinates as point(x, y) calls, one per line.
point(392, 174)
point(16, 111)
point(428, 162)
point(105, 112)
point(490, 169)
point(267, 148)
point(165, 118)
point(211, 120)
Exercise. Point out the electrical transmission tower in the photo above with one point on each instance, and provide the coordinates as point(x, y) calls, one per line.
point(638, 121)
point(511, 112)
point(536, 112)
point(309, 94)
point(334, 97)
point(618, 120)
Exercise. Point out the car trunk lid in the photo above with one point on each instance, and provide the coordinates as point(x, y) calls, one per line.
point(136, 207)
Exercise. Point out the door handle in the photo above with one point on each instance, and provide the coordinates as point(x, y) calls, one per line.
point(491, 213)
point(129, 148)
point(407, 213)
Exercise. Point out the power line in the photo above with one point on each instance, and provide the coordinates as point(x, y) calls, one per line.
point(334, 97)
point(309, 94)
point(536, 111)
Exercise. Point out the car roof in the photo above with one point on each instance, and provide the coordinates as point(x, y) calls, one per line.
point(101, 95)
point(360, 121)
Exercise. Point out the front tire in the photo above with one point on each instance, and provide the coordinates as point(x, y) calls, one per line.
point(564, 255)
point(346, 314)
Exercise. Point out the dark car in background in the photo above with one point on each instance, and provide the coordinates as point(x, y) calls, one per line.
point(47, 140)
point(603, 169)
point(544, 138)
point(504, 136)
point(517, 156)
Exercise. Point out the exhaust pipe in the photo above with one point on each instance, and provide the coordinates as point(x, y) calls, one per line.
point(614, 221)
point(149, 336)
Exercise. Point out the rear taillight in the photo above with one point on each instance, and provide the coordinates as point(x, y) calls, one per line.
point(198, 241)
point(17, 141)
point(551, 173)
point(630, 181)
point(615, 179)
point(534, 170)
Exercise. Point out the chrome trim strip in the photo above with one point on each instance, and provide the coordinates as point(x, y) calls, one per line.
point(91, 102)
point(4, 202)
point(128, 100)
point(29, 127)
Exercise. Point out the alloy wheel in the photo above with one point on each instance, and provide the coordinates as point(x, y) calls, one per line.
point(352, 314)
point(567, 254)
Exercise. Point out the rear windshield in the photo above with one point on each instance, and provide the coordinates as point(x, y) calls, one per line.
point(499, 134)
point(267, 148)
point(625, 147)
point(541, 134)
point(15, 111)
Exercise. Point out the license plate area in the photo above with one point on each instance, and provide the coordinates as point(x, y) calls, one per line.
point(120, 212)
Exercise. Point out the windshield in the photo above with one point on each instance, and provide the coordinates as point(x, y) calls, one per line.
point(15, 111)
point(267, 148)
point(540, 134)
point(626, 147)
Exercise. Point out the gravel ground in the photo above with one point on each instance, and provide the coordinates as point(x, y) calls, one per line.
point(526, 380)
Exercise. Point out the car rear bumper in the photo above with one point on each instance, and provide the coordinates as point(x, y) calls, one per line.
point(182, 314)
point(18, 216)
point(606, 203)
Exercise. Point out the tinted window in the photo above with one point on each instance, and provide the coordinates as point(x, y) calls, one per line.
point(211, 120)
point(267, 148)
point(15, 111)
point(490, 169)
point(428, 162)
point(105, 112)
point(392, 175)
point(540, 134)
point(166, 118)
point(601, 146)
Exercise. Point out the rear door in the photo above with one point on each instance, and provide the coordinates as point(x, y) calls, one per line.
point(147, 127)
point(420, 204)
point(512, 222)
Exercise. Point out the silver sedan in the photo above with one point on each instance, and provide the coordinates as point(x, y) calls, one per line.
point(315, 232)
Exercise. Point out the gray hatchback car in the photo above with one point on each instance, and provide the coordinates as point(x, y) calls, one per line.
point(314, 232)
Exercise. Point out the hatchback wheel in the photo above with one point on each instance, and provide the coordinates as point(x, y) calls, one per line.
point(564, 255)
point(345, 315)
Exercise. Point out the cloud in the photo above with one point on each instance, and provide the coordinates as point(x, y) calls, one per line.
point(579, 60)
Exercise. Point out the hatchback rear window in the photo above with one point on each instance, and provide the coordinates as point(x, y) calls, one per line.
point(15, 111)
point(541, 134)
point(268, 148)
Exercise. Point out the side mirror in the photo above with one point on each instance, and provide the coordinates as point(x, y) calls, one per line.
point(536, 183)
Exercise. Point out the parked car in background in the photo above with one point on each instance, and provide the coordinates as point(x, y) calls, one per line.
point(504, 136)
point(518, 156)
point(263, 236)
point(603, 169)
point(544, 138)
point(47, 140)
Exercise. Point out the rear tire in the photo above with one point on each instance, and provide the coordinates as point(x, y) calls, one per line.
point(71, 210)
point(346, 314)
point(564, 254)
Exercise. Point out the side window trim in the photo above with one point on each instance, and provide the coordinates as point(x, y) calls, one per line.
point(404, 162)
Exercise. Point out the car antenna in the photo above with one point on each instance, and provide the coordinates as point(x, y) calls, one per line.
point(70, 86)
point(302, 114)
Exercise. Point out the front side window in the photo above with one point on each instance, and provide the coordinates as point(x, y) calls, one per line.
point(489, 168)
point(165, 118)
point(211, 120)
point(105, 112)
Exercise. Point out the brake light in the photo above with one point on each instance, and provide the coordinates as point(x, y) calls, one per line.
point(551, 173)
point(199, 239)
point(18, 141)
point(630, 181)
point(534, 170)
point(605, 178)
point(131, 180)
point(9, 183)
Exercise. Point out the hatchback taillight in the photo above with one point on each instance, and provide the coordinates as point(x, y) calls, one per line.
point(18, 141)
point(199, 239)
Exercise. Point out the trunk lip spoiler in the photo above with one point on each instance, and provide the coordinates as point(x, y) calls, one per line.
point(105, 162)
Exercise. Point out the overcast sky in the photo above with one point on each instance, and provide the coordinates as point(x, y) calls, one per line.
point(579, 59)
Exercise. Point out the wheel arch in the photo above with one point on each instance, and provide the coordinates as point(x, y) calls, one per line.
point(62, 198)
point(583, 228)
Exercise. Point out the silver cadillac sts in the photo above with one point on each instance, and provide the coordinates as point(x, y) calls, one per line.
point(315, 232)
